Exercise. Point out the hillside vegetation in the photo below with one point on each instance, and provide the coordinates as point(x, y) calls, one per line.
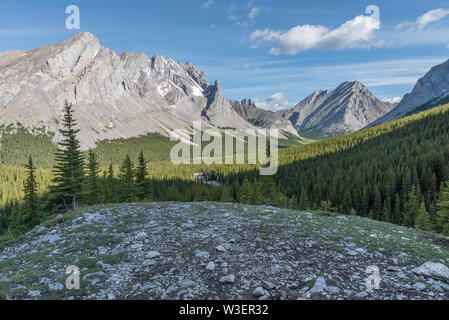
point(392, 172)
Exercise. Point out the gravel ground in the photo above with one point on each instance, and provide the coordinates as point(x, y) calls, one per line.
point(221, 251)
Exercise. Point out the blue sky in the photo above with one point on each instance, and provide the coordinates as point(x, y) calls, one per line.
point(275, 51)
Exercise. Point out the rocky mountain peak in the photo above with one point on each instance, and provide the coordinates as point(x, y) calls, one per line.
point(434, 85)
point(114, 95)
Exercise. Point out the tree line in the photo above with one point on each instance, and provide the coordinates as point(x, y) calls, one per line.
point(396, 172)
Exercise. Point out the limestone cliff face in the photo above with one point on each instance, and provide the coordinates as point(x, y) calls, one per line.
point(433, 86)
point(114, 95)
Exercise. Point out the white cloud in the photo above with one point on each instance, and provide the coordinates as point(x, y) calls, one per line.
point(253, 14)
point(422, 21)
point(244, 19)
point(358, 32)
point(431, 16)
point(393, 99)
point(207, 4)
point(275, 102)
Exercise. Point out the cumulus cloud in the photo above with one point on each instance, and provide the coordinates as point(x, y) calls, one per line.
point(393, 99)
point(422, 21)
point(275, 102)
point(358, 32)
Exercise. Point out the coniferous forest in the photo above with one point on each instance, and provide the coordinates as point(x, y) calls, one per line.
point(396, 172)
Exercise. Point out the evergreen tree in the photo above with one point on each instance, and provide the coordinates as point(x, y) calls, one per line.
point(346, 203)
point(16, 224)
point(386, 216)
point(245, 191)
point(304, 203)
point(254, 194)
point(109, 186)
point(423, 221)
point(25, 217)
point(443, 209)
point(93, 169)
point(267, 188)
point(377, 204)
point(225, 195)
point(293, 202)
point(68, 178)
point(141, 175)
point(411, 209)
point(126, 177)
point(397, 210)
point(31, 199)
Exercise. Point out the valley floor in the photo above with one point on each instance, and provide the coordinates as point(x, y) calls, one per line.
point(219, 251)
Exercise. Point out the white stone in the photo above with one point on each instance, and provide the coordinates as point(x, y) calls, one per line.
point(259, 292)
point(202, 254)
point(55, 286)
point(319, 286)
point(187, 284)
point(229, 279)
point(152, 254)
point(432, 270)
point(34, 293)
point(220, 248)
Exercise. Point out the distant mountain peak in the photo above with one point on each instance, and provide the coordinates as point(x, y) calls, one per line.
point(434, 85)
point(347, 108)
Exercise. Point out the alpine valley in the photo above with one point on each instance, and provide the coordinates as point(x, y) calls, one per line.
point(87, 186)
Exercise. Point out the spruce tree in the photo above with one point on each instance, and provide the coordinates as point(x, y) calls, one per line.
point(443, 209)
point(267, 187)
point(346, 203)
point(93, 169)
point(141, 175)
point(68, 178)
point(16, 221)
point(423, 221)
point(24, 217)
point(411, 209)
point(126, 178)
point(30, 199)
point(293, 202)
point(109, 186)
point(245, 191)
point(254, 194)
point(304, 203)
point(397, 210)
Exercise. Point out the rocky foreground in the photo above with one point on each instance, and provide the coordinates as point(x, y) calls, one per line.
point(222, 251)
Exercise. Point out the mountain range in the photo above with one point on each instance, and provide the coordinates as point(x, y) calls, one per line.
point(129, 94)
point(347, 108)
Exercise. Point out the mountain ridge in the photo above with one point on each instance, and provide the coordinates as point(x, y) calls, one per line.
point(433, 86)
point(347, 108)
point(114, 95)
